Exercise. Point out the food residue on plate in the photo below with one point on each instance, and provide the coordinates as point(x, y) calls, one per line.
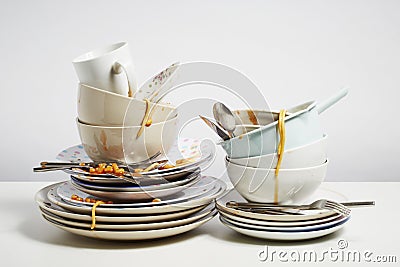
point(89, 200)
point(104, 168)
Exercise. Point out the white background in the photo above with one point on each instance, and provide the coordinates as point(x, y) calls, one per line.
point(293, 50)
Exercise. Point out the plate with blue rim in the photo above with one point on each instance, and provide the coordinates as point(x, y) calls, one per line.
point(202, 153)
point(44, 203)
point(284, 235)
point(130, 187)
point(215, 189)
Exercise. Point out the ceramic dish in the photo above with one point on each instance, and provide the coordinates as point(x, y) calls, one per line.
point(182, 148)
point(278, 235)
point(131, 226)
point(133, 187)
point(100, 107)
point(300, 223)
point(204, 188)
point(261, 185)
point(45, 204)
point(124, 144)
point(159, 209)
point(306, 216)
point(314, 227)
point(302, 127)
point(102, 181)
point(133, 235)
point(162, 82)
point(312, 154)
point(139, 195)
point(138, 179)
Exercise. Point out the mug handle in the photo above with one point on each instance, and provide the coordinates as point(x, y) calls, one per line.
point(128, 69)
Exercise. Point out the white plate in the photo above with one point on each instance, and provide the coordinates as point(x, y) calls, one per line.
point(182, 148)
point(45, 204)
point(137, 195)
point(162, 82)
point(100, 180)
point(134, 235)
point(134, 188)
point(307, 214)
point(204, 187)
point(220, 187)
point(292, 236)
point(131, 226)
point(314, 227)
point(278, 223)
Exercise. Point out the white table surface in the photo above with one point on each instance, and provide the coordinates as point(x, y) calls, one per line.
point(28, 240)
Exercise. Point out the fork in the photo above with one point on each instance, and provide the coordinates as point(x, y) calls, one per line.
point(56, 166)
point(318, 204)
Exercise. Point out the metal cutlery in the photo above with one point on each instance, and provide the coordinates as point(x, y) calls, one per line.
point(342, 208)
point(216, 128)
point(55, 166)
point(234, 204)
point(225, 118)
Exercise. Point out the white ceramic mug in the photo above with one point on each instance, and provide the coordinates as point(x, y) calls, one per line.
point(109, 68)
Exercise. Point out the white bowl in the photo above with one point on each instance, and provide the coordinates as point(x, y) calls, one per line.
point(120, 144)
point(259, 185)
point(312, 154)
point(100, 107)
point(302, 127)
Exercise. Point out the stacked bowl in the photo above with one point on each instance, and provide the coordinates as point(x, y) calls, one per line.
point(252, 155)
point(109, 126)
point(131, 178)
point(278, 158)
point(116, 120)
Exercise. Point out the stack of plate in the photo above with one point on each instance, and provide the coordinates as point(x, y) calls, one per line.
point(164, 203)
point(177, 213)
point(309, 224)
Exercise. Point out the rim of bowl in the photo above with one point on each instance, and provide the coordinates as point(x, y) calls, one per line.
point(324, 137)
point(80, 123)
point(124, 97)
point(99, 52)
point(311, 105)
point(280, 170)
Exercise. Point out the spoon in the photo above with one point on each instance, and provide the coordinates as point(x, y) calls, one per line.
point(225, 118)
point(216, 128)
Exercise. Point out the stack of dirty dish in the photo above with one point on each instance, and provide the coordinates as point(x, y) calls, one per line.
point(131, 178)
point(134, 206)
point(252, 155)
point(273, 159)
point(116, 121)
point(274, 223)
point(126, 220)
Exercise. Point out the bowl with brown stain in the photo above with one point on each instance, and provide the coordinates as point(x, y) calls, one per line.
point(124, 143)
point(100, 107)
point(262, 185)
